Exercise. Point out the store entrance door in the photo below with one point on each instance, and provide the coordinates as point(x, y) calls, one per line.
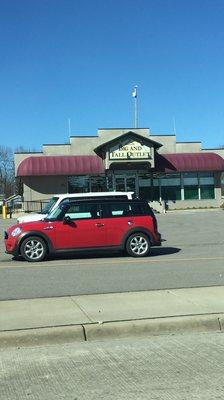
point(126, 183)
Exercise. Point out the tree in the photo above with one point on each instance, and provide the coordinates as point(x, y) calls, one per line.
point(22, 149)
point(7, 172)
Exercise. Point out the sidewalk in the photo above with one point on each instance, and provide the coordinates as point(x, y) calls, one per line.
point(110, 316)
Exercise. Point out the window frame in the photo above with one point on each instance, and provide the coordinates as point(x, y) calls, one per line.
point(141, 206)
point(97, 211)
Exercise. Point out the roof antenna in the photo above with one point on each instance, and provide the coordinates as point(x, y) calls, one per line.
point(69, 127)
point(174, 126)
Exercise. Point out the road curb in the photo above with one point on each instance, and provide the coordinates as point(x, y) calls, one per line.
point(42, 336)
point(153, 327)
point(112, 330)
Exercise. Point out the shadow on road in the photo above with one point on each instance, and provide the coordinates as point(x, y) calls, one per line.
point(156, 251)
point(163, 251)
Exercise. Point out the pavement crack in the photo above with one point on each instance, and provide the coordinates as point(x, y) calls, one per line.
point(84, 333)
point(81, 309)
point(220, 325)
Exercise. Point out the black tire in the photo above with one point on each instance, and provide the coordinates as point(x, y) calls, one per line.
point(33, 249)
point(138, 245)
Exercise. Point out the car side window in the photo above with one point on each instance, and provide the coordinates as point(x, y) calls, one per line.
point(82, 211)
point(117, 209)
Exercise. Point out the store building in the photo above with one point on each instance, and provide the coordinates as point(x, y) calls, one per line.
point(155, 167)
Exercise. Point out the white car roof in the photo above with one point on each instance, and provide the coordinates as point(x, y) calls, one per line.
point(93, 194)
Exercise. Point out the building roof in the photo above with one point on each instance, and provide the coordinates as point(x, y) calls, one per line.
point(183, 162)
point(134, 135)
point(60, 165)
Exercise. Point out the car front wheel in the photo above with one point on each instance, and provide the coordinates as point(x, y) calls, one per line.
point(33, 249)
point(138, 245)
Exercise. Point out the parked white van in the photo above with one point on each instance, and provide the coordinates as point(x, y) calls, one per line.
point(59, 198)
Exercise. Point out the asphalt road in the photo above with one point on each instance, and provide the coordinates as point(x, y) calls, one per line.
point(191, 256)
point(180, 367)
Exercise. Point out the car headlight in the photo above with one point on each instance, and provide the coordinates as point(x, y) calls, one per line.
point(16, 232)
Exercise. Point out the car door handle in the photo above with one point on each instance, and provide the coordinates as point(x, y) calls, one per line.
point(99, 225)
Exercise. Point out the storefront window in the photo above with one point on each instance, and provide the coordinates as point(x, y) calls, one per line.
point(119, 184)
point(109, 182)
point(98, 183)
point(206, 182)
point(191, 193)
point(125, 181)
point(207, 192)
point(190, 182)
point(86, 183)
point(155, 189)
point(171, 187)
point(78, 184)
point(206, 178)
point(130, 183)
point(145, 188)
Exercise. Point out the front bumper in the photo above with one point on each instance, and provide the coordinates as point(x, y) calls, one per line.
point(11, 246)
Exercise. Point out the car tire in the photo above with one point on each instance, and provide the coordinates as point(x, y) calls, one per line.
point(138, 245)
point(33, 249)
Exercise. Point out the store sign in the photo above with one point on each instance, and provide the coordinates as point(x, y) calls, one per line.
point(130, 151)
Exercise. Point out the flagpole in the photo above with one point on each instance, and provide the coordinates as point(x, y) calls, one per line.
point(136, 112)
point(134, 94)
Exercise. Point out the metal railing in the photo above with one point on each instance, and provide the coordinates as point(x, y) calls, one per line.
point(34, 205)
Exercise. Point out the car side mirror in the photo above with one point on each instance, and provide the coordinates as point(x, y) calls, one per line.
point(67, 220)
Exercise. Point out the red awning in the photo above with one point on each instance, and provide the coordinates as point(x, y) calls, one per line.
point(60, 165)
point(82, 165)
point(183, 162)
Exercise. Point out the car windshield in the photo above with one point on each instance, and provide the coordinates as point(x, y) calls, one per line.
point(47, 209)
point(57, 213)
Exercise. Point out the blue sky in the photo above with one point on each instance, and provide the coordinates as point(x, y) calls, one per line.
point(80, 60)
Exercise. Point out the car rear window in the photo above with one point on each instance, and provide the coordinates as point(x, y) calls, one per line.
point(124, 209)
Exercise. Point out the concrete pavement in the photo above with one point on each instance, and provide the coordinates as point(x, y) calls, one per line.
point(106, 316)
point(168, 367)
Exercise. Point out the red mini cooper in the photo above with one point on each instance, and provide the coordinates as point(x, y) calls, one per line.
point(87, 225)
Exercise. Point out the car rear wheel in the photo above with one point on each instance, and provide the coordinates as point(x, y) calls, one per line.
point(138, 245)
point(33, 249)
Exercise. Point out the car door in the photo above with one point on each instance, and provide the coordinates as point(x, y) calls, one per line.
point(117, 219)
point(83, 230)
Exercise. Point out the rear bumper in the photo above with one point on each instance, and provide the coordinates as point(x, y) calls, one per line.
point(157, 240)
